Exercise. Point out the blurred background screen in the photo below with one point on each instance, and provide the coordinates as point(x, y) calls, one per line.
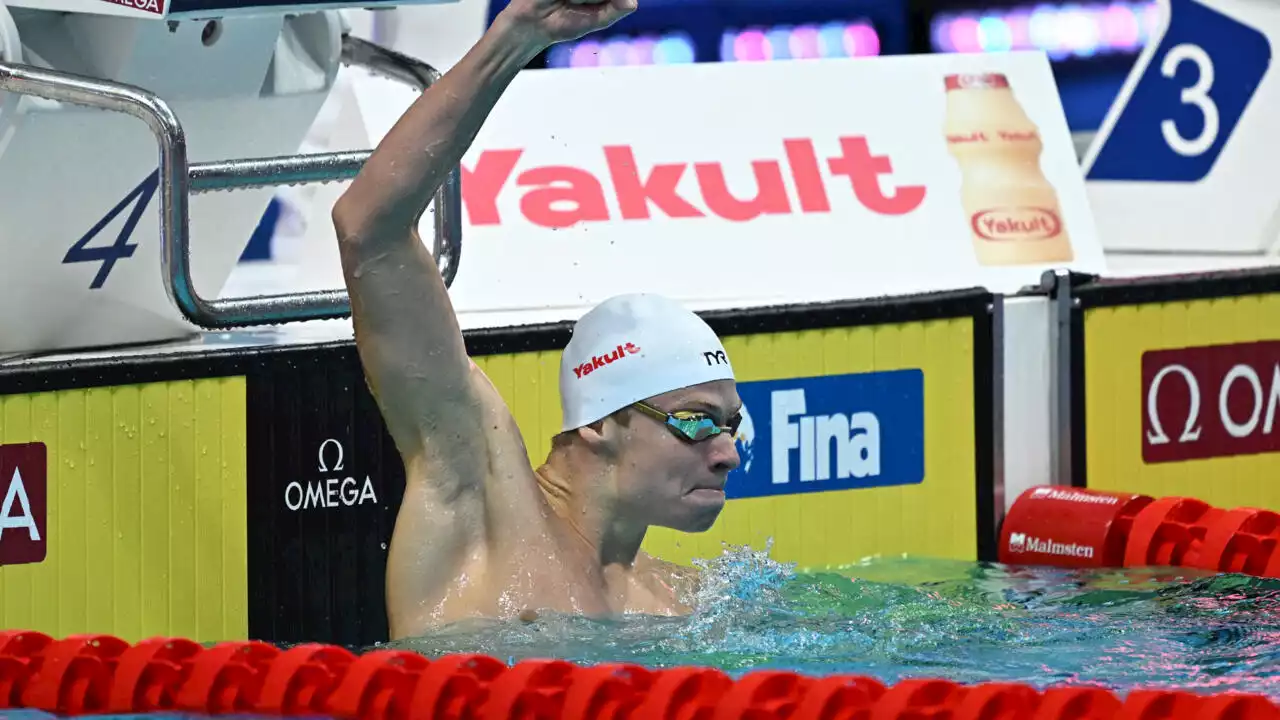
point(1092, 44)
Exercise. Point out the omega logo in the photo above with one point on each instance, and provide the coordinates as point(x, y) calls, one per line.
point(1191, 431)
point(1236, 427)
point(1229, 407)
point(330, 491)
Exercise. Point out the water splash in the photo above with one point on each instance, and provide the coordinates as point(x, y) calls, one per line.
point(900, 618)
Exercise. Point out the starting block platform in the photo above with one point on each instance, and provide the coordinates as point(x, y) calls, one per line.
point(203, 143)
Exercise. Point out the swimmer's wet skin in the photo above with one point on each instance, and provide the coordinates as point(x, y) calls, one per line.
point(647, 393)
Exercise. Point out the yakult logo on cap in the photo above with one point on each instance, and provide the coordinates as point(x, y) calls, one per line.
point(598, 361)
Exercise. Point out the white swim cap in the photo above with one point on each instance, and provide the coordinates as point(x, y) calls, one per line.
point(631, 347)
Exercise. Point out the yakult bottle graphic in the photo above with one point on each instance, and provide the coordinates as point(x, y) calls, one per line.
point(1012, 209)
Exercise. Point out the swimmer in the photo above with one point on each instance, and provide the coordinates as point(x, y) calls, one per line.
point(648, 419)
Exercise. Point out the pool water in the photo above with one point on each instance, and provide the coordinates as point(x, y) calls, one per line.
point(970, 622)
point(899, 618)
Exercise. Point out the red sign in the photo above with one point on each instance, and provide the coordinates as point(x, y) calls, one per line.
point(1210, 401)
point(24, 494)
point(561, 196)
point(151, 6)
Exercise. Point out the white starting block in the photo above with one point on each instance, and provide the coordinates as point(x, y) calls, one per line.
point(117, 120)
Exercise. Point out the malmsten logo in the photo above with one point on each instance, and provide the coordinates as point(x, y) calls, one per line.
point(598, 361)
point(1023, 543)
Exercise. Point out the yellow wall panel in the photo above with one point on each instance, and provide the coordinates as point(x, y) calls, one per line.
point(146, 511)
point(936, 518)
point(1115, 339)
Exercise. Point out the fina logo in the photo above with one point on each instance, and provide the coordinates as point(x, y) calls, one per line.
point(852, 441)
point(867, 455)
point(745, 439)
point(831, 432)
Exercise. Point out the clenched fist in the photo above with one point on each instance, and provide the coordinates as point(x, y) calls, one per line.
point(546, 22)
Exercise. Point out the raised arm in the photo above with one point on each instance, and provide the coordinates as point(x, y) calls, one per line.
point(406, 330)
point(437, 405)
point(408, 335)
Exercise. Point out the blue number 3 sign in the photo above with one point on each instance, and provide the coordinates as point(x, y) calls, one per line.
point(1176, 119)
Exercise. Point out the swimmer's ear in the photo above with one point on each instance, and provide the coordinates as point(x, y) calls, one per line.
point(604, 435)
point(595, 432)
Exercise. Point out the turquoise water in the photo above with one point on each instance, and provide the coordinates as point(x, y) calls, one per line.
point(969, 622)
point(893, 619)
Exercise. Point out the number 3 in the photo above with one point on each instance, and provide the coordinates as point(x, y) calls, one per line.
point(1195, 95)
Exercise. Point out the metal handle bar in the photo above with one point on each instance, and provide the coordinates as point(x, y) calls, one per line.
point(179, 179)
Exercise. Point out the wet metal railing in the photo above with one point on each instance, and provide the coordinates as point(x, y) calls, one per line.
point(180, 179)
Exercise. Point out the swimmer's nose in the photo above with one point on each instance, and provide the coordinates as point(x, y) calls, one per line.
point(724, 453)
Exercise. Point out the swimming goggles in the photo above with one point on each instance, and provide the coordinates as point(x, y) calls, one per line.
point(690, 425)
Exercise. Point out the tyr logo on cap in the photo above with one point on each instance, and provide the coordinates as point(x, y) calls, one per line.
point(24, 497)
point(716, 357)
point(598, 361)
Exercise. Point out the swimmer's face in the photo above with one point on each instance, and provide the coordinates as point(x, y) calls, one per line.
point(668, 481)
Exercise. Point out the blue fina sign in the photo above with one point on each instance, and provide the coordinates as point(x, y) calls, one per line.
point(834, 432)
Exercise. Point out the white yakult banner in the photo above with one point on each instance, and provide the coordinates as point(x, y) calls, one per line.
point(725, 183)
point(1186, 160)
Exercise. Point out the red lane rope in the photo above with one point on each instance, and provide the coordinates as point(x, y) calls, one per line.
point(97, 674)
